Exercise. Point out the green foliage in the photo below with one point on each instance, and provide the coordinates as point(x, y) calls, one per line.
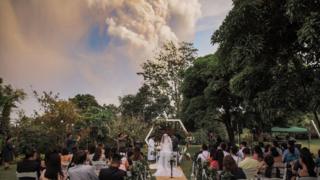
point(144, 105)
point(208, 100)
point(135, 129)
point(84, 101)
point(8, 99)
point(271, 49)
point(164, 73)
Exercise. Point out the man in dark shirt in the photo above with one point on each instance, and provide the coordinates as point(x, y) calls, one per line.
point(29, 164)
point(113, 172)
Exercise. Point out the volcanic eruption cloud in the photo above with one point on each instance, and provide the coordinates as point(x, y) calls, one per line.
point(87, 46)
point(143, 25)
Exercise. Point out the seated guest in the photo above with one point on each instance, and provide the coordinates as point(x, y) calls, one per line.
point(248, 162)
point(242, 146)
point(204, 155)
point(136, 155)
point(261, 145)
point(292, 153)
point(318, 159)
point(275, 144)
point(305, 166)
point(65, 157)
point(92, 150)
point(124, 165)
point(267, 168)
point(277, 158)
point(98, 155)
point(220, 156)
point(223, 146)
point(102, 147)
point(53, 169)
point(234, 152)
point(267, 149)
point(257, 154)
point(230, 166)
point(113, 172)
point(213, 162)
point(29, 164)
point(81, 171)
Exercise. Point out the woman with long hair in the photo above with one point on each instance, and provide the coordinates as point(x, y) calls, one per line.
point(219, 157)
point(98, 155)
point(53, 169)
point(230, 166)
point(307, 165)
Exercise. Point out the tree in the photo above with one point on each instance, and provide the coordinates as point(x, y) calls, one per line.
point(84, 101)
point(164, 73)
point(144, 105)
point(207, 99)
point(93, 118)
point(270, 51)
point(8, 99)
point(57, 116)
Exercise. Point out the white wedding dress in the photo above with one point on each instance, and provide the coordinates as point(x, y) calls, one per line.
point(163, 165)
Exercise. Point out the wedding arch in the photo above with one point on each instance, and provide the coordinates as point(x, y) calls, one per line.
point(166, 119)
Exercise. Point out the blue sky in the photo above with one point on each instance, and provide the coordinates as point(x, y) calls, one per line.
point(95, 47)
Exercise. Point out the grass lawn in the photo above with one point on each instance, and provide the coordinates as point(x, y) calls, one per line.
point(9, 174)
point(186, 165)
point(314, 145)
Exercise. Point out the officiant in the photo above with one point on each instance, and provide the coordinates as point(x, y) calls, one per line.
point(151, 149)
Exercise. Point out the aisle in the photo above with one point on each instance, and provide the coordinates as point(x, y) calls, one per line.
point(153, 166)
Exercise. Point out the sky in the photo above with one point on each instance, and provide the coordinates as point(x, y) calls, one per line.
point(95, 46)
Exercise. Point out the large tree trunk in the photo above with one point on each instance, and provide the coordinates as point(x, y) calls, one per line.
point(230, 130)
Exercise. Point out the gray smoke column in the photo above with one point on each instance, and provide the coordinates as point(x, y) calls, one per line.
point(146, 24)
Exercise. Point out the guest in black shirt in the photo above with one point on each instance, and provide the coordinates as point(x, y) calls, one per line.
point(29, 164)
point(113, 172)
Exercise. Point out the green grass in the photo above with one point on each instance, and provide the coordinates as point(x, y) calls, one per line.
point(186, 165)
point(314, 145)
point(9, 174)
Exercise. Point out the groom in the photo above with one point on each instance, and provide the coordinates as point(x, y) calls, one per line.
point(175, 146)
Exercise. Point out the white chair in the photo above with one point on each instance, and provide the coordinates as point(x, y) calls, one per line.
point(250, 173)
point(27, 175)
point(98, 165)
point(307, 178)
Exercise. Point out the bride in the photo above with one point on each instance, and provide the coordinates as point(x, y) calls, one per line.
point(163, 165)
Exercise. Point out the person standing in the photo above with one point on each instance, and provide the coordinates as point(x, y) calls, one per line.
point(151, 149)
point(7, 152)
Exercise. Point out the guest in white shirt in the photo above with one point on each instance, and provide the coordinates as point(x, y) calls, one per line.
point(242, 146)
point(223, 146)
point(233, 152)
point(205, 154)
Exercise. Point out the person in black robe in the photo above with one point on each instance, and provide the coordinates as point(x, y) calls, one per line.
point(7, 152)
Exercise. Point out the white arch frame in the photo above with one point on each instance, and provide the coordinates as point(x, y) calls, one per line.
point(167, 120)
